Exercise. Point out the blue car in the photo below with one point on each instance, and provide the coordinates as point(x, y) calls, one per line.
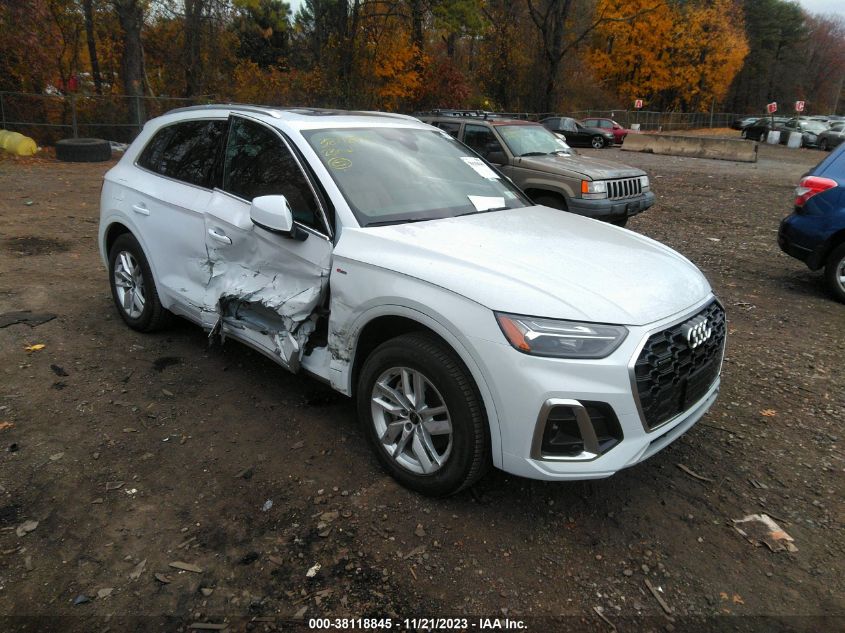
point(815, 231)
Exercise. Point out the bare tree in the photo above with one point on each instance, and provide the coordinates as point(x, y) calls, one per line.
point(130, 14)
point(560, 34)
point(88, 10)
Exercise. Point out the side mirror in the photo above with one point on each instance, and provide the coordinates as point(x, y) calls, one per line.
point(496, 157)
point(273, 213)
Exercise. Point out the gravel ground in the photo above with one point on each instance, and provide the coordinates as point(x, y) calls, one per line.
point(122, 454)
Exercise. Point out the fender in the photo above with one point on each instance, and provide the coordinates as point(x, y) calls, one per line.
point(448, 332)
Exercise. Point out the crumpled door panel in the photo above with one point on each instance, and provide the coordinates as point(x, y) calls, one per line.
point(264, 288)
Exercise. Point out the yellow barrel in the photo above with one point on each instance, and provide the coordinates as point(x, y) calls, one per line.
point(16, 143)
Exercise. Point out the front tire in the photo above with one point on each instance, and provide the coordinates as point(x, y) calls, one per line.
point(823, 146)
point(834, 272)
point(133, 288)
point(422, 415)
point(597, 142)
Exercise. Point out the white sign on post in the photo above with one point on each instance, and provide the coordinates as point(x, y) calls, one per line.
point(638, 104)
point(799, 106)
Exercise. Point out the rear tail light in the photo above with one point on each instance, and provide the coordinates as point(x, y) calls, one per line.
point(811, 186)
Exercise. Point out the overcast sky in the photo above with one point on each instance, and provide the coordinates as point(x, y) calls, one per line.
point(824, 6)
point(813, 6)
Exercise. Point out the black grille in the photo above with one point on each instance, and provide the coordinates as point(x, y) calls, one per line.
point(624, 188)
point(671, 376)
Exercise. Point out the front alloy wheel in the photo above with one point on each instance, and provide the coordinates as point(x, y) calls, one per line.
point(597, 142)
point(411, 420)
point(421, 413)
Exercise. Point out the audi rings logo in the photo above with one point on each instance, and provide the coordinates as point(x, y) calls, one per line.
point(697, 332)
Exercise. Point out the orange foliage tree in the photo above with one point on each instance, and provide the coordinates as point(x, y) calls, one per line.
point(675, 55)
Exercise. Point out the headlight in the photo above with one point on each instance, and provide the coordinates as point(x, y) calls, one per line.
point(644, 183)
point(560, 339)
point(592, 189)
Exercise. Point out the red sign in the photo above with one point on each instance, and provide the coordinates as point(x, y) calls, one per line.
point(638, 103)
point(772, 107)
point(799, 106)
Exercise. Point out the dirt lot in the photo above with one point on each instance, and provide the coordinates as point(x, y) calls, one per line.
point(135, 451)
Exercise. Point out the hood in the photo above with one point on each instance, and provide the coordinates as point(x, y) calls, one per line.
point(593, 168)
point(539, 262)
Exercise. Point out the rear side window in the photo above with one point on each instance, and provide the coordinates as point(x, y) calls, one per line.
point(450, 127)
point(257, 163)
point(481, 139)
point(184, 151)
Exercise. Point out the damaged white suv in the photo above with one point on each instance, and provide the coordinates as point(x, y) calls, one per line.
point(383, 257)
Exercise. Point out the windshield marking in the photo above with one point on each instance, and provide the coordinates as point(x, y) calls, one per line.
point(480, 168)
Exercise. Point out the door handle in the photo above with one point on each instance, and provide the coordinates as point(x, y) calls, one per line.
point(140, 208)
point(220, 237)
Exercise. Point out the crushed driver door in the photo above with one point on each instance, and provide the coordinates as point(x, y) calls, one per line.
point(264, 288)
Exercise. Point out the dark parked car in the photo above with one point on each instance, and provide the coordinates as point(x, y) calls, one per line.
point(578, 135)
point(619, 132)
point(815, 231)
point(758, 130)
point(809, 128)
point(832, 137)
point(744, 122)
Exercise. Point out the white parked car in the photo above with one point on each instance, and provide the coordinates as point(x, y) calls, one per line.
point(380, 255)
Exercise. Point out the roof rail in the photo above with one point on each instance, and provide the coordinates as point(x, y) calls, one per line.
point(269, 110)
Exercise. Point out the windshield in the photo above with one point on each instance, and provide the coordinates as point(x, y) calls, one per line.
point(532, 140)
point(395, 175)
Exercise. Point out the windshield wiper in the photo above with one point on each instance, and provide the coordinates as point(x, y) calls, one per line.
point(532, 154)
point(403, 221)
point(505, 208)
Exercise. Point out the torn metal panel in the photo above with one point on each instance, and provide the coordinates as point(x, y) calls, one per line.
point(263, 288)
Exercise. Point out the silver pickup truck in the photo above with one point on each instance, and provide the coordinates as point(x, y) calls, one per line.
point(541, 164)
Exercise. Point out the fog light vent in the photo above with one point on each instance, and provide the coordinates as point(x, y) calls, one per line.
point(562, 435)
point(569, 429)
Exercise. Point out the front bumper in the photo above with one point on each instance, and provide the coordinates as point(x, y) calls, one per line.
point(607, 209)
point(525, 386)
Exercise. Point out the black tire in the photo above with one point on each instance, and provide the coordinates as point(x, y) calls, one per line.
point(153, 316)
point(469, 457)
point(743, 134)
point(83, 150)
point(597, 142)
point(823, 146)
point(620, 221)
point(550, 200)
point(834, 273)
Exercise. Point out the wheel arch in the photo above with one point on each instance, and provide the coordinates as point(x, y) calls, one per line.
point(830, 245)
point(392, 321)
point(117, 225)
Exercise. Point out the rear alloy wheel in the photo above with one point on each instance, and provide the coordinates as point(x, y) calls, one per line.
point(422, 415)
point(133, 288)
point(834, 272)
point(597, 142)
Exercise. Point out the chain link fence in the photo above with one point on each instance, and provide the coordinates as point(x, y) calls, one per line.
point(647, 120)
point(48, 118)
